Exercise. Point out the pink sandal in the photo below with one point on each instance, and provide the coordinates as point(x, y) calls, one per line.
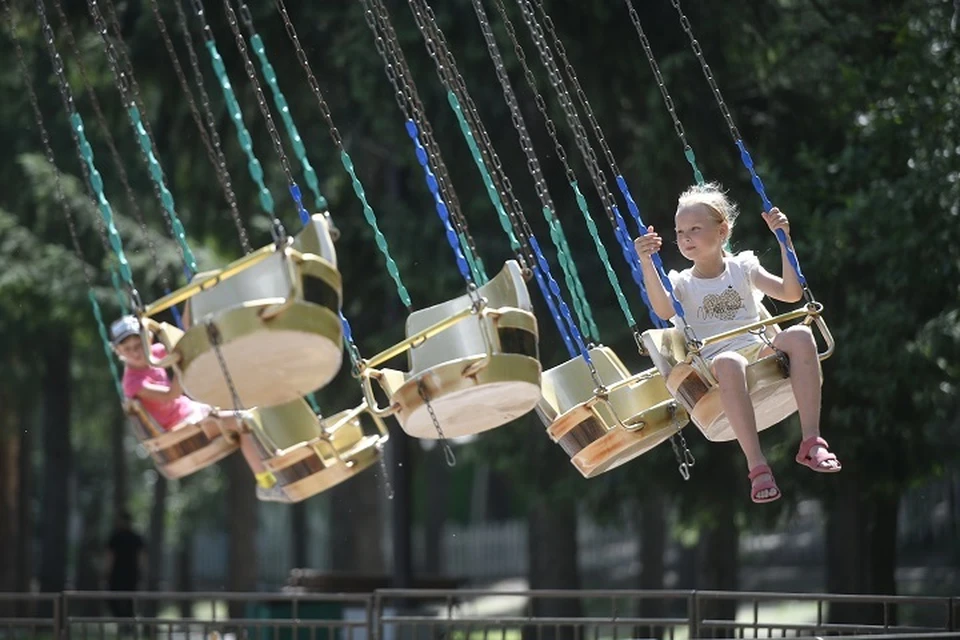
point(816, 462)
point(756, 488)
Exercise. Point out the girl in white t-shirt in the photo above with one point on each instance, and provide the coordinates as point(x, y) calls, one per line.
point(721, 292)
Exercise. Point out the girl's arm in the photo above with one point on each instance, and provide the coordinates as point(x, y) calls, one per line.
point(787, 288)
point(647, 245)
point(157, 393)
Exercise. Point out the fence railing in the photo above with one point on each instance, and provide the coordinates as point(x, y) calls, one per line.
point(391, 614)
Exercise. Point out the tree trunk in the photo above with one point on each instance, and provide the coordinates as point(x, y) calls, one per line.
point(356, 525)
point(89, 546)
point(118, 431)
point(653, 542)
point(57, 463)
point(10, 531)
point(401, 508)
point(861, 549)
point(299, 530)
point(185, 572)
point(242, 510)
point(24, 518)
point(719, 548)
point(552, 551)
point(438, 491)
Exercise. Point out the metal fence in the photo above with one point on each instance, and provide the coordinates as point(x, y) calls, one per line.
point(391, 614)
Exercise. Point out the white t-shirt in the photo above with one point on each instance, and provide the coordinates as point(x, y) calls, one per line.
point(715, 305)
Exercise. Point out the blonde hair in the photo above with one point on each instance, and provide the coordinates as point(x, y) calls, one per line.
point(712, 196)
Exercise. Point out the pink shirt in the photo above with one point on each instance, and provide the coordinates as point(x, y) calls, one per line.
point(168, 413)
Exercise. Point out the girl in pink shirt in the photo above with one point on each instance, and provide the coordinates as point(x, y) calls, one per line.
point(166, 402)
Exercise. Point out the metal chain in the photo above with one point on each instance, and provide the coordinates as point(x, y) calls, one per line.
point(685, 459)
point(62, 200)
point(402, 80)
point(264, 110)
point(571, 176)
point(447, 67)
point(567, 264)
point(130, 95)
point(347, 162)
point(106, 226)
point(707, 72)
point(211, 139)
point(667, 100)
point(581, 95)
point(213, 335)
point(387, 485)
point(111, 144)
point(447, 450)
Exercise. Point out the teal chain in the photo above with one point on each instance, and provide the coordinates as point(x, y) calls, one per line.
point(484, 172)
point(96, 182)
point(475, 262)
point(345, 160)
point(281, 102)
point(236, 115)
point(61, 200)
point(166, 198)
point(121, 297)
point(107, 350)
point(577, 293)
point(602, 252)
point(371, 219)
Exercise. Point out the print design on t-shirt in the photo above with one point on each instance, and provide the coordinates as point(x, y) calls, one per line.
point(722, 307)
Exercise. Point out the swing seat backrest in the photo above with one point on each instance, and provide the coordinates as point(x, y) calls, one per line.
point(569, 384)
point(270, 280)
point(464, 339)
point(145, 426)
point(282, 426)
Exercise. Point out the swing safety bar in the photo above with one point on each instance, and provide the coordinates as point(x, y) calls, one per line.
point(811, 314)
point(238, 266)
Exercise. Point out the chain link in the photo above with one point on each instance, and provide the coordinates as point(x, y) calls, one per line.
point(667, 100)
point(409, 102)
point(211, 139)
point(62, 201)
point(130, 95)
point(105, 223)
point(111, 144)
point(567, 264)
point(451, 77)
point(264, 110)
point(447, 450)
point(213, 335)
point(707, 72)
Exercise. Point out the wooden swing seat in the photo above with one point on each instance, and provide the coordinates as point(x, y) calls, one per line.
point(183, 450)
point(602, 433)
point(276, 319)
point(478, 373)
point(697, 391)
point(308, 456)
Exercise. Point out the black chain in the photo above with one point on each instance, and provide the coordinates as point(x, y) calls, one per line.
point(569, 110)
point(47, 148)
point(707, 72)
point(408, 99)
point(581, 96)
point(258, 90)
point(130, 94)
point(648, 50)
point(66, 96)
point(211, 139)
point(111, 144)
point(451, 78)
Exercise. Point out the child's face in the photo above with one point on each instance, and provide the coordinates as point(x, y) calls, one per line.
point(130, 351)
point(699, 235)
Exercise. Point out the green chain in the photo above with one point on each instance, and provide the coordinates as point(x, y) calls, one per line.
point(487, 180)
point(579, 297)
point(475, 263)
point(121, 297)
point(107, 349)
point(368, 213)
point(104, 205)
point(166, 198)
point(602, 252)
point(246, 142)
point(295, 140)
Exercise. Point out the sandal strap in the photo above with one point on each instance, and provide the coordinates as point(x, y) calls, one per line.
point(759, 470)
point(810, 443)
